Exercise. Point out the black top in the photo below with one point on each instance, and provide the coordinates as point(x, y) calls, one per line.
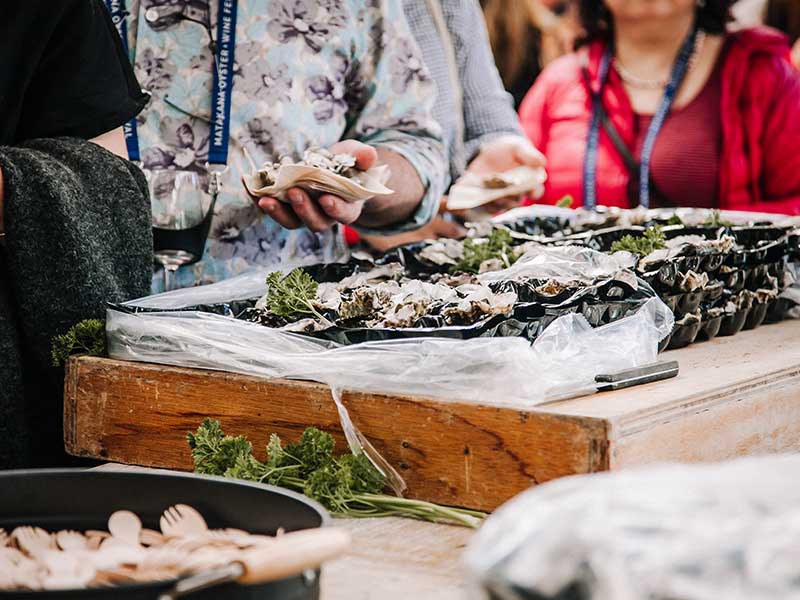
point(63, 71)
point(530, 68)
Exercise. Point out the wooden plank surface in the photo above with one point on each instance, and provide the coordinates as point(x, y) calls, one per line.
point(394, 559)
point(708, 371)
point(447, 452)
point(737, 395)
point(398, 559)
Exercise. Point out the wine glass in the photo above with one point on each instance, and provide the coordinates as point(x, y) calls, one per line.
point(180, 220)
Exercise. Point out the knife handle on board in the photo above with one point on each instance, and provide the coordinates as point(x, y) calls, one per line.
point(637, 376)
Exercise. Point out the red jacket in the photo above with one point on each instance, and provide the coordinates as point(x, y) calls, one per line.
point(760, 109)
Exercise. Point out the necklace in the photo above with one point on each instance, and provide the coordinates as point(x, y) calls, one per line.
point(652, 84)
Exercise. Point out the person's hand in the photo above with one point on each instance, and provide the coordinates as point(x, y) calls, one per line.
point(503, 154)
point(438, 228)
point(796, 54)
point(320, 213)
point(506, 153)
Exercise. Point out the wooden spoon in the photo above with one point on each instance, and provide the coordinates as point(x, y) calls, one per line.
point(92, 533)
point(150, 537)
point(94, 537)
point(163, 557)
point(293, 553)
point(5, 539)
point(33, 540)
point(69, 540)
point(126, 526)
point(11, 555)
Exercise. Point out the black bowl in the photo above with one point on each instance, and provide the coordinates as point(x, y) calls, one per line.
point(77, 499)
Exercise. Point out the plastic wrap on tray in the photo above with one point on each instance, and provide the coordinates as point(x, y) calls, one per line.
point(695, 532)
point(486, 370)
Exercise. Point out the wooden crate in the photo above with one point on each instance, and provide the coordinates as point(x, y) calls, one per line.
point(735, 396)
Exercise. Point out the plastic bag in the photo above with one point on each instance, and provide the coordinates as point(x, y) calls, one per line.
point(695, 532)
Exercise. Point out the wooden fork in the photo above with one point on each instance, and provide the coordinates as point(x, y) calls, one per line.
point(68, 539)
point(181, 520)
point(33, 540)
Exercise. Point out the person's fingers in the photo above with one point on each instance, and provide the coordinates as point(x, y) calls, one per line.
point(443, 228)
point(527, 154)
point(280, 212)
point(502, 204)
point(340, 210)
point(365, 155)
point(308, 211)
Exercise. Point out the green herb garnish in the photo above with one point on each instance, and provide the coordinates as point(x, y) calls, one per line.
point(716, 220)
point(347, 485)
point(497, 245)
point(652, 239)
point(566, 202)
point(292, 296)
point(86, 337)
point(675, 220)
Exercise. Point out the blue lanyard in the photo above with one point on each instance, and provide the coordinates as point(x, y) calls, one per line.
point(679, 70)
point(221, 91)
point(119, 16)
point(223, 84)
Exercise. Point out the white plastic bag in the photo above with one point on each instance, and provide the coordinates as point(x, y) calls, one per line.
point(696, 532)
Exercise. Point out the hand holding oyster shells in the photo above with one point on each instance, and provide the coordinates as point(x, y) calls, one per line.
point(473, 190)
point(319, 171)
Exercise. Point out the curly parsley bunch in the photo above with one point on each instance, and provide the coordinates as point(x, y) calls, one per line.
point(347, 485)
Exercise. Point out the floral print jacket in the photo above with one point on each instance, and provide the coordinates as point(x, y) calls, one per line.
point(307, 73)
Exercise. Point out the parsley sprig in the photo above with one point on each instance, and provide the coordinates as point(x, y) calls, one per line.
point(497, 245)
point(347, 485)
point(652, 239)
point(86, 337)
point(715, 220)
point(292, 296)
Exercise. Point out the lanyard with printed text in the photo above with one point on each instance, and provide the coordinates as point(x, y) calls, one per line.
point(679, 69)
point(224, 54)
point(221, 95)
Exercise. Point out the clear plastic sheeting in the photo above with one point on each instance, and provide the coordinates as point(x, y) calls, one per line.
point(250, 284)
point(486, 370)
point(695, 532)
point(563, 263)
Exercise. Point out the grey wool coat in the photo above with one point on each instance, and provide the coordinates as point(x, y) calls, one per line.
point(78, 234)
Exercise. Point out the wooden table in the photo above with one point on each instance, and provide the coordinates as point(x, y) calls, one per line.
point(391, 559)
point(734, 396)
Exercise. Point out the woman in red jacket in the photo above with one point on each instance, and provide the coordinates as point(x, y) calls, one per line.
point(663, 107)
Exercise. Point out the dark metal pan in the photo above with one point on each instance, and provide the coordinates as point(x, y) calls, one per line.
point(77, 499)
